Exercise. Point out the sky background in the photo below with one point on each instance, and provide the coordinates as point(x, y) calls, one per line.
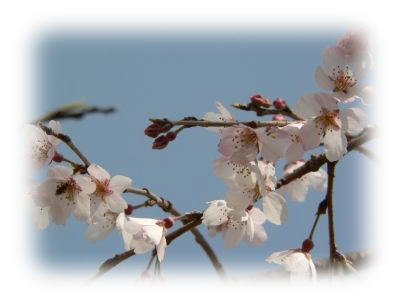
point(147, 75)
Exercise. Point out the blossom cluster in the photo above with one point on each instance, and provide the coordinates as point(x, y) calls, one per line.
point(247, 165)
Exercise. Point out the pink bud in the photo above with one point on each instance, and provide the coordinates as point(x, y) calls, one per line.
point(161, 142)
point(153, 130)
point(279, 103)
point(278, 117)
point(58, 157)
point(260, 100)
point(171, 136)
point(129, 210)
point(307, 245)
point(168, 222)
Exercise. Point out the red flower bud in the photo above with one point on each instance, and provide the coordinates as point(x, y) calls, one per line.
point(58, 157)
point(161, 142)
point(171, 136)
point(129, 210)
point(278, 117)
point(279, 103)
point(168, 222)
point(260, 100)
point(307, 245)
point(153, 130)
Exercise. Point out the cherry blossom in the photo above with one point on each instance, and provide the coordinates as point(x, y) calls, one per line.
point(234, 225)
point(340, 74)
point(64, 193)
point(223, 116)
point(108, 190)
point(42, 147)
point(297, 189)
point(296, 261)
point(250, 183)
point(354, 45)
point(141, 234)
point(326, 123)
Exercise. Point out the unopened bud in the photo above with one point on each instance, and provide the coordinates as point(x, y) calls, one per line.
point(161, 142)
point(260, 100)
point(307, 245)
point(168, 222)
point(129, 210)
point(153, 130)
point(58, 157)
point(171, 135)
point(278, 117)
point(166, 127)
point(279, 103)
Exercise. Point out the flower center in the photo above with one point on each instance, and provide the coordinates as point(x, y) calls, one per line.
point(329, 118)
point(102, 187)
point(343, 80)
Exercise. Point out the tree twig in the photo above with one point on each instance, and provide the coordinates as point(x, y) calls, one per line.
point(261, 111)
point(329, 200)
point(74, 110)
point(67, 140)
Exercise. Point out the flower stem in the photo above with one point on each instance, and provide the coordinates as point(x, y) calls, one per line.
point(329, 199)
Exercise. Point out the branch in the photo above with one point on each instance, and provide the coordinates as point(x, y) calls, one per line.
point(316, 161)
point(67, 140)
point(118, 258)
point(329, 200)
point(204, 123)
point(74, 110)
point(167, 207)
point(261, 111)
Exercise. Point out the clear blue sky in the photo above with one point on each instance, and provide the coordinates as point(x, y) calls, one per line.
point(171, 75)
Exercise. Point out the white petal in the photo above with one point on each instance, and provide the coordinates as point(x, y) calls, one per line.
point(295, 152)
point(41, 217)
point(154, 232)
point(98, 172)
point(354, 120)
point(116, 203)
point(85, 183)
point(216, 213)
point(323, 79)
point(311, 134)
point(60, 172)
point(119, 183)
point(161, 249)
point(335, 143)
point(274, 207)
point(298, 190)
point(82, 209)
point(279, 257)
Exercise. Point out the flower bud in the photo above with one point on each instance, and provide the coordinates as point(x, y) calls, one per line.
point(278, 117)
point(260, 100)
point(58, 157)
point(168, 222)
point(279, 103)
point(161, 142)
point(153, 130)
point(129, 210)
point(307, 245)
point(171, 135)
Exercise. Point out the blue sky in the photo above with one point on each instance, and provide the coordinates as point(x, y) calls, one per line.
point(178, 75)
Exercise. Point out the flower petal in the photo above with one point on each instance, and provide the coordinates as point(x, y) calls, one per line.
point(119, 183)
point(335, 143)
point(116, 203)
point(274, 207)
point(98, 172)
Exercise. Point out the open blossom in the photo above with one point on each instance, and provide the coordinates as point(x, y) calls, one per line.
point(235, 225)
point(42, 147)
point(247, 184)
point(326, 123)
point(142, 235)
point(296, 261)
point(297, 189)
point(355, 46)
point(284, 142)
point(64, 193)
point(223, 116)
point(340, 74)
point(108, 190)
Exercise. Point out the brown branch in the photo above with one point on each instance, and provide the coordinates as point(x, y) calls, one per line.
point(261, 111)
point(118, 258)
point(316, 161)
point(67, 140)
point(204, 123)
point(329, 200)
point(74, 110)
point(167, 207)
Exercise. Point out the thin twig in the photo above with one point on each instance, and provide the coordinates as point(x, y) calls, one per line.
point(118, 258)
point(329, 199)
point(204, 123)
point(67, 140)
point(167, 207)
point(74, 110)
point(261, 111)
